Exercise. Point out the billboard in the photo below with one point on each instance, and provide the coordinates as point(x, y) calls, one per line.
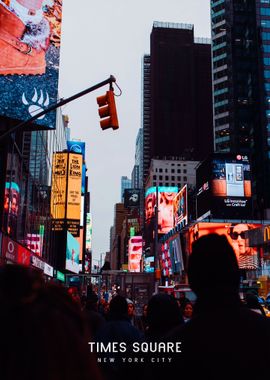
point(72, 254)
point(165, 207)
point(237, 234)
point(224, 187)
point(11, 207)
point(15, 252)
point(74, 186)
point(59, 185)
point(135, 244)
point(29, 60)
point(180, 207)
point(76, 147)
point(132, 198)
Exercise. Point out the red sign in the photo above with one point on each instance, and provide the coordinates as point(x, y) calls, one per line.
point(15, 252)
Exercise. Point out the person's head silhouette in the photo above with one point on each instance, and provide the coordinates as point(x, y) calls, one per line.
point(212, 266)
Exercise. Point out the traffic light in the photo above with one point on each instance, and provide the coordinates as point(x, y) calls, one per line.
point(107, 111)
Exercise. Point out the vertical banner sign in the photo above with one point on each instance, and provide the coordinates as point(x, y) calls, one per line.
point(59, 185)
point(74, 186)
point(30, 33)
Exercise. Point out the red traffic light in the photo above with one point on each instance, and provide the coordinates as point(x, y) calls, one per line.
point(107, 111)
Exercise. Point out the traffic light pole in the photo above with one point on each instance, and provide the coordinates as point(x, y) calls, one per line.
point(61, 103)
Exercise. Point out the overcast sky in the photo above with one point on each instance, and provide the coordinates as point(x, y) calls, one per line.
point(100, 38)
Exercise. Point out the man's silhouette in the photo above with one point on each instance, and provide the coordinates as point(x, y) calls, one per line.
point(224, 339)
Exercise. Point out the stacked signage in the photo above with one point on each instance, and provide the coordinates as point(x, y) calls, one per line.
point(66, 192)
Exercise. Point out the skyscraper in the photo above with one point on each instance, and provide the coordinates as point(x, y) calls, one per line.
point(177, 110)
point(241, 85)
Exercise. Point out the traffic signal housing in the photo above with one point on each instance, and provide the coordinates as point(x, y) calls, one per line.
point(107, 111)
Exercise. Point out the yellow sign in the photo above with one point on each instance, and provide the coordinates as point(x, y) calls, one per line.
point(266, 234)
point(59, 184)
point(74, 186)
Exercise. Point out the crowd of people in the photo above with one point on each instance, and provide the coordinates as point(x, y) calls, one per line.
point(46, 329)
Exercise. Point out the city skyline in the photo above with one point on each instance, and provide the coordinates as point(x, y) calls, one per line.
point(93, 49)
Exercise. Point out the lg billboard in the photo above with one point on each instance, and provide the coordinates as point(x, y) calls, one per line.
point(224, 187)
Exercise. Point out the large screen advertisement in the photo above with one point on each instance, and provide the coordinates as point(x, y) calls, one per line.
point(165, 207)
point(72, 254)
point(135, 244)
point(224, 187)
point(30, 34)
point(248, 257)
point(180, 207)
point(171, 257)
point(59, 184)
point(74, 186)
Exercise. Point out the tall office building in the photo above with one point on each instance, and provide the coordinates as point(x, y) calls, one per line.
point(241, 85)
point(177, 109)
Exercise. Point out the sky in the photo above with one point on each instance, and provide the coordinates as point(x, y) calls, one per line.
point(99, 39)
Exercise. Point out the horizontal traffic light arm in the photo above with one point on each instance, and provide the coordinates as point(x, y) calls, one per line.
point(61, 103)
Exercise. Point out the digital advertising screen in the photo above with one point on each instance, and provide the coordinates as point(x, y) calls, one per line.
point(180, 207)
point(59, 185)
point(29, 60)
point(135, 244)
point(237, 234)
point(166, 264)
point(132, 198)
point(72, 254)
point(74, 186)
point(166, 195)
point(224, 187)
point(149, 264)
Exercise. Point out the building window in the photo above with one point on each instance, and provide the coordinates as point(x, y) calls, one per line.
point(154, 176)
point(160, 178)
point(154, 184)
point(172, 170)
point(166, 170)
point(160, 170)
point(185, 170)
point(173, 177)
point(173, 184)
point(178, 170)
point(166, 184)
point(167, 178)
point(178, 178)
point(185, 179)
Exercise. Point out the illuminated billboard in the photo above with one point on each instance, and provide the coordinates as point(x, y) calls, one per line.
point(165, 207)
point(135, 244)
point(72, 254)
point(29, 61)
point(171, 257)
point(237, 234)
point(74, 186)
point(59, 185)
point(224, 187)
point(132, 198)
point(180, 207)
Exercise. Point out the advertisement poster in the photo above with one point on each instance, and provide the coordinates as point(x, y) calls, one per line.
point(166, 196)
point(135, 253)
point(30, 37)
point(74, 186)
point(72, 254)
point(59, 184)
point(180, 207)
point(248, 257)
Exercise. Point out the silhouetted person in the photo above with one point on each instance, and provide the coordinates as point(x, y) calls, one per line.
point(95, 320)
point(224, 339)
point(163, 314)
point(43, 333)
point(118, 329)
